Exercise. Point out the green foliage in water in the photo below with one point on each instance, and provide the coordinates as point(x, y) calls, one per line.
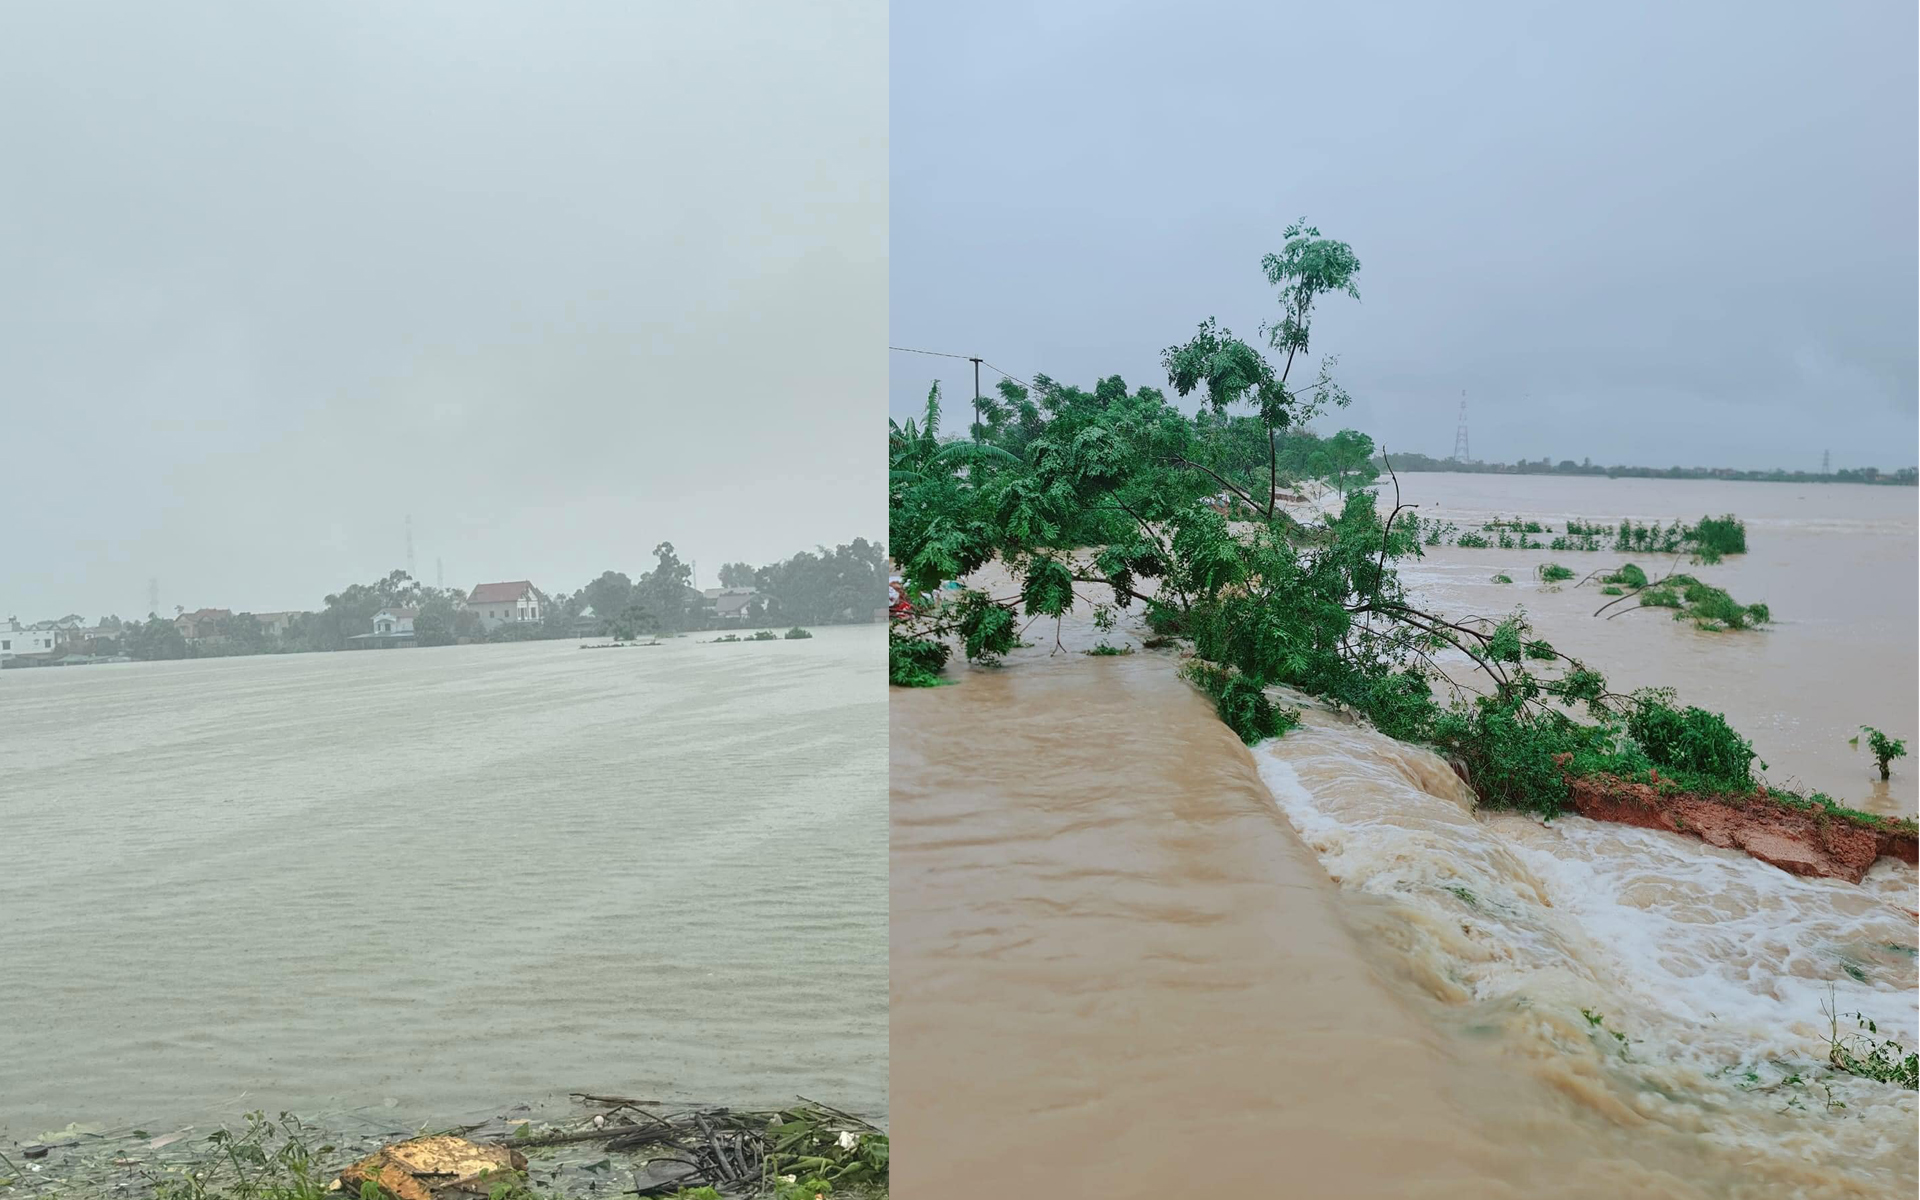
point(762, 635)
point(1503, 579)
point(915, 662)
point(1242, 704)
point(1554, 572)
point(1103, 650)
point(1722, 535)
point(1862, 1051)
point(1627, 576)
point(1708, 607)
point(1883, 748)
point(1690, 740)
point(797, 634)
point(1611, 590)
point(1708, 541)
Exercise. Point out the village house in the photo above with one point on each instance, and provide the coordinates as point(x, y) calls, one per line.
point(16, 639)
point(391, 627)
point(277, 624)
point(201, 623)
point(498, 604)
point(728, 604)
point(395, 622)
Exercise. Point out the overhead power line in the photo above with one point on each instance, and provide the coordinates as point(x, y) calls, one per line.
point(964, 358)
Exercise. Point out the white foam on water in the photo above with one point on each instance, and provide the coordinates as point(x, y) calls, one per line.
point(1714, 967)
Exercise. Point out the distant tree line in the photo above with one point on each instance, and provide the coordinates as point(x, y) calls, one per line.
point(1405, 461)
point(843, 585)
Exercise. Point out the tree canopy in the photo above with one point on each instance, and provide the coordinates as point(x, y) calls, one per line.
point(1117, 486)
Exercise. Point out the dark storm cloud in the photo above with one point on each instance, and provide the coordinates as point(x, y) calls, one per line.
point(1645, 233)
point(560, 281)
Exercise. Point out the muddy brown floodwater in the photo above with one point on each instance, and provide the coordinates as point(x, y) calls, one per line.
point(1132, 958)
point(1836, 564)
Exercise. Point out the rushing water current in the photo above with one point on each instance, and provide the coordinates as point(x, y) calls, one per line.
point(1108, 967)
point(443, 880)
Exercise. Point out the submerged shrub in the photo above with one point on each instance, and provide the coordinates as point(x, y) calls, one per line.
point(1554, 572)
point(1690, 740)
point(1883, 748)
point(1720, 535)
point(796, 633)
point(1659, 598)
point(1627, 576)
point(1242, 704)
point(1611, 590)
point(1472, 541)
point(1509, 756)
point(1503, 579)
point(915, 662)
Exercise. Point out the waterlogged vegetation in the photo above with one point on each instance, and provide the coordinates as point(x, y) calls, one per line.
point(1690, 599)
point(1116, 488)
point(1883, 748)
point(764, 635)
point(1708, 540)
point(915, 661)
point(1862, 1051)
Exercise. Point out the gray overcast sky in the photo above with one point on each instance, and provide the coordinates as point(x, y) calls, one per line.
point(1646, 233)
point(561, 281)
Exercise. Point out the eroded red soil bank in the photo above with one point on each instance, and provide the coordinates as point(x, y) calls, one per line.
point(1803, 841)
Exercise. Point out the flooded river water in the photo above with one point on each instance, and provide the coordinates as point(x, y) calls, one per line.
point(441, 880)
point(1835, 563)
point(1132, 958)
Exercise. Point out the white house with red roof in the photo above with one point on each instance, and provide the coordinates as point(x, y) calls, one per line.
point(498, 604)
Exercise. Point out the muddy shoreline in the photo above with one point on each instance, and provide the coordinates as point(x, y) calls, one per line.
point(591, 1145)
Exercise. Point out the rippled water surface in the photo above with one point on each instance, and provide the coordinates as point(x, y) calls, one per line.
point(446, 878)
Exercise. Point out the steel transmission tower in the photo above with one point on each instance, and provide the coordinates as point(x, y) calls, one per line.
point(1826, 462)
point(1460, 435)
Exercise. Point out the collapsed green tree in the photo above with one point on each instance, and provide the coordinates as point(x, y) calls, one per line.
point(1120, 488)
